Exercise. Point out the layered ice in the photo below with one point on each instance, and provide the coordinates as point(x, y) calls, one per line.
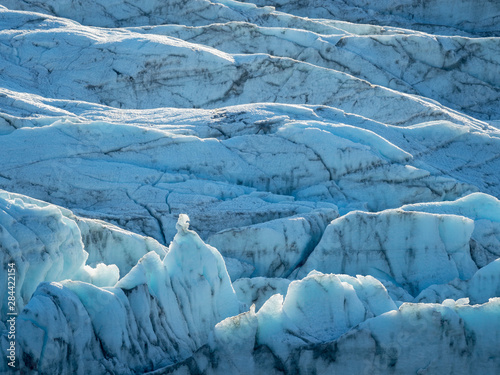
point(411, 249)
point(485, 211)
point(49, 243)
point(183, 312)
point(462, 16)
point(275, 248)
point(269, 188)
point(147, 175)
point(162, 311)
point(151, 69)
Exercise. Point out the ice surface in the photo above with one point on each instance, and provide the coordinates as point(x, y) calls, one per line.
point(46, 243)
point(224, 187)
point(275, 247)
point(172, 310)
point(315, 309)
point(411, 249)
point(162, 311)
point(109, 244)
point(485, 211)
point(437, 333)
point(438, 16)
point(147, 70)
point(485, 284)
point(42, 242)
point(448, 339)
point(147, 175)
point(257, 290)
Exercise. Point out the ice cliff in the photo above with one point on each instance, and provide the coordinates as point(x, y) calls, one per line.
point(255, 187)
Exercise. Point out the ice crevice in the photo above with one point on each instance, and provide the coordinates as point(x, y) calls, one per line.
point(152, 213)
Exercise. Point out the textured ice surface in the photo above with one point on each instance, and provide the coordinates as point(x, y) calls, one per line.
point(157, 314)
point(181, 308)
point(413, 250)
point(485, 211)
point(49, 243)
point(224, 187)
point(275, 247)
point(448, 16)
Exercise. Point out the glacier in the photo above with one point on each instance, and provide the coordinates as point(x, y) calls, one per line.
point(250, 187)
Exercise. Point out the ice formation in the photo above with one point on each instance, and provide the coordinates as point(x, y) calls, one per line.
point(414, 250)
point(250, 187)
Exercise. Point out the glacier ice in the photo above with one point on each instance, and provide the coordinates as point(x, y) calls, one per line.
point(484, 210)
point(49, 243)
point(430, 16)
point(149, 175)
point(411, 249)
point(254, 187)
point(482, 286)
point(275, 248)
point(147, 328)
point(448, 338)
point(182, 308)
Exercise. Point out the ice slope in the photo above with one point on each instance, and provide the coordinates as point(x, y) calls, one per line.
point(445, 17)
point(125, 13)
point(481, 208)
point(341, 180)
point(413, 250)
point(180, 308)
point(217, 65)
point(433, 16)
point(449, 69)
point(70, 320)
point(50, 243)
point(139, 169)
